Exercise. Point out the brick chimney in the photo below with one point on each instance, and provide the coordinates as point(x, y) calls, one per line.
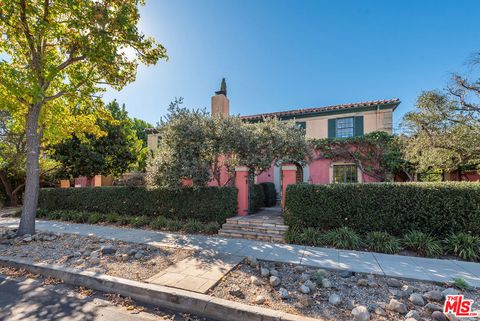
point(220, 102)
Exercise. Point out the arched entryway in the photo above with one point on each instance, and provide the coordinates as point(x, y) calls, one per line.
point(299, 173)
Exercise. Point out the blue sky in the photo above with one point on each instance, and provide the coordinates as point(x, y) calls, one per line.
point(279, 55)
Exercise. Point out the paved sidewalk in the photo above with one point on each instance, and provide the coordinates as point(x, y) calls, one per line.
point(382, 264)
point(198, 273)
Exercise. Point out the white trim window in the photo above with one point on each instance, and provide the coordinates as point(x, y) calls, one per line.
point(344, 127)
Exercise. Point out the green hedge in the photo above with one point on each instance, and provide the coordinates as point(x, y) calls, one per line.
point(270, 194)
point(435, 208)
point(258, 196)
point(204, 204)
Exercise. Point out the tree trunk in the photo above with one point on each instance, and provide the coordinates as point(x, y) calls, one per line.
point(27, 220)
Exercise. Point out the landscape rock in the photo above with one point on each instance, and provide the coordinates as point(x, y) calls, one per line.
point(433, 296)
point(299, 268)
point(304, 289)
point(439, 316)
point(255, 281)
point(346, 274)
point(360, 313)
point(416, 299)
point(260, 299)
point(310, 285)
point(450, 291)
point(326, 283)
point(394, 283)
point(397, 306)
point(264, 272)
point(334, 299)
point(236, 291)
point(362, 282)
point(108, 250)
point(322, 273)
point(413, 314)
point(283, 293)
point(380, 311)
point(433, 307)
point(94, 261)
point(304, 277)
point(274, 272)
point(275, 281)
point(349, 304)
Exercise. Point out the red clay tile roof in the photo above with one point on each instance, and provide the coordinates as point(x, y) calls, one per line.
point(306, 111)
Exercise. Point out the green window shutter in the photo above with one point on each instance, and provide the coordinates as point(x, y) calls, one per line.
point(331, 128)
point(358, 126)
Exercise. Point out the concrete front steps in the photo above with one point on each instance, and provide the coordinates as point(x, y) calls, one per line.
point(266, 225)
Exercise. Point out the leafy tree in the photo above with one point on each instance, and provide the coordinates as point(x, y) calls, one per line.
point(12, 158)
point(58, 56)
point(140, 126)
point(196, 146)
point(112, 154)
point(378, 154)
point(441, 135)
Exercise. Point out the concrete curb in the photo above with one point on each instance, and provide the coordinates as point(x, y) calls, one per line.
point(161, 296)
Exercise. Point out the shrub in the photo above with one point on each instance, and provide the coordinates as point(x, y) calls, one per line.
point(74, 216)
point(41, 213)
point(113, 218)
point(258, 196)
point(382, 242)
point(395, 208)
point(53, 215)
point(159, 223)
point(174, 225)
point(293, 236)
point(343, 238)
point(139, 221)
point(464, 246)
point(94, 218)
point(211, 228)
point(124, 220)
point(270, 194)
point(422, 243)
point(205, 204)
point(311, 236)
point(193, 226)
point(461, 284)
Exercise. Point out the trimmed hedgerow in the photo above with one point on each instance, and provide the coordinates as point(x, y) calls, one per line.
point(270, 194)
point(203, 204)
point(437, 209)
point(258, 196)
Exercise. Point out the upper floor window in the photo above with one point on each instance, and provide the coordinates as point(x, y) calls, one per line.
point(344, 127)
point(301, 125)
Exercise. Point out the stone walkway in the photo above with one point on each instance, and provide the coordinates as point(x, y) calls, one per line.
point(366, 262)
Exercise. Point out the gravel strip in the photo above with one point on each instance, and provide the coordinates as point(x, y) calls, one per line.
point(331, 295)
point(116, 258)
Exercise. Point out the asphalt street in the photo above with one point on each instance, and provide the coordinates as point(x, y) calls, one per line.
point(29, 299)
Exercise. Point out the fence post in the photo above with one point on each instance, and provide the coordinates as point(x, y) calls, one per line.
point(241, 183)
point(289, 176)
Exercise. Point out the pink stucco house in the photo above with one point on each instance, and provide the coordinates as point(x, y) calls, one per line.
point(338, 121)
